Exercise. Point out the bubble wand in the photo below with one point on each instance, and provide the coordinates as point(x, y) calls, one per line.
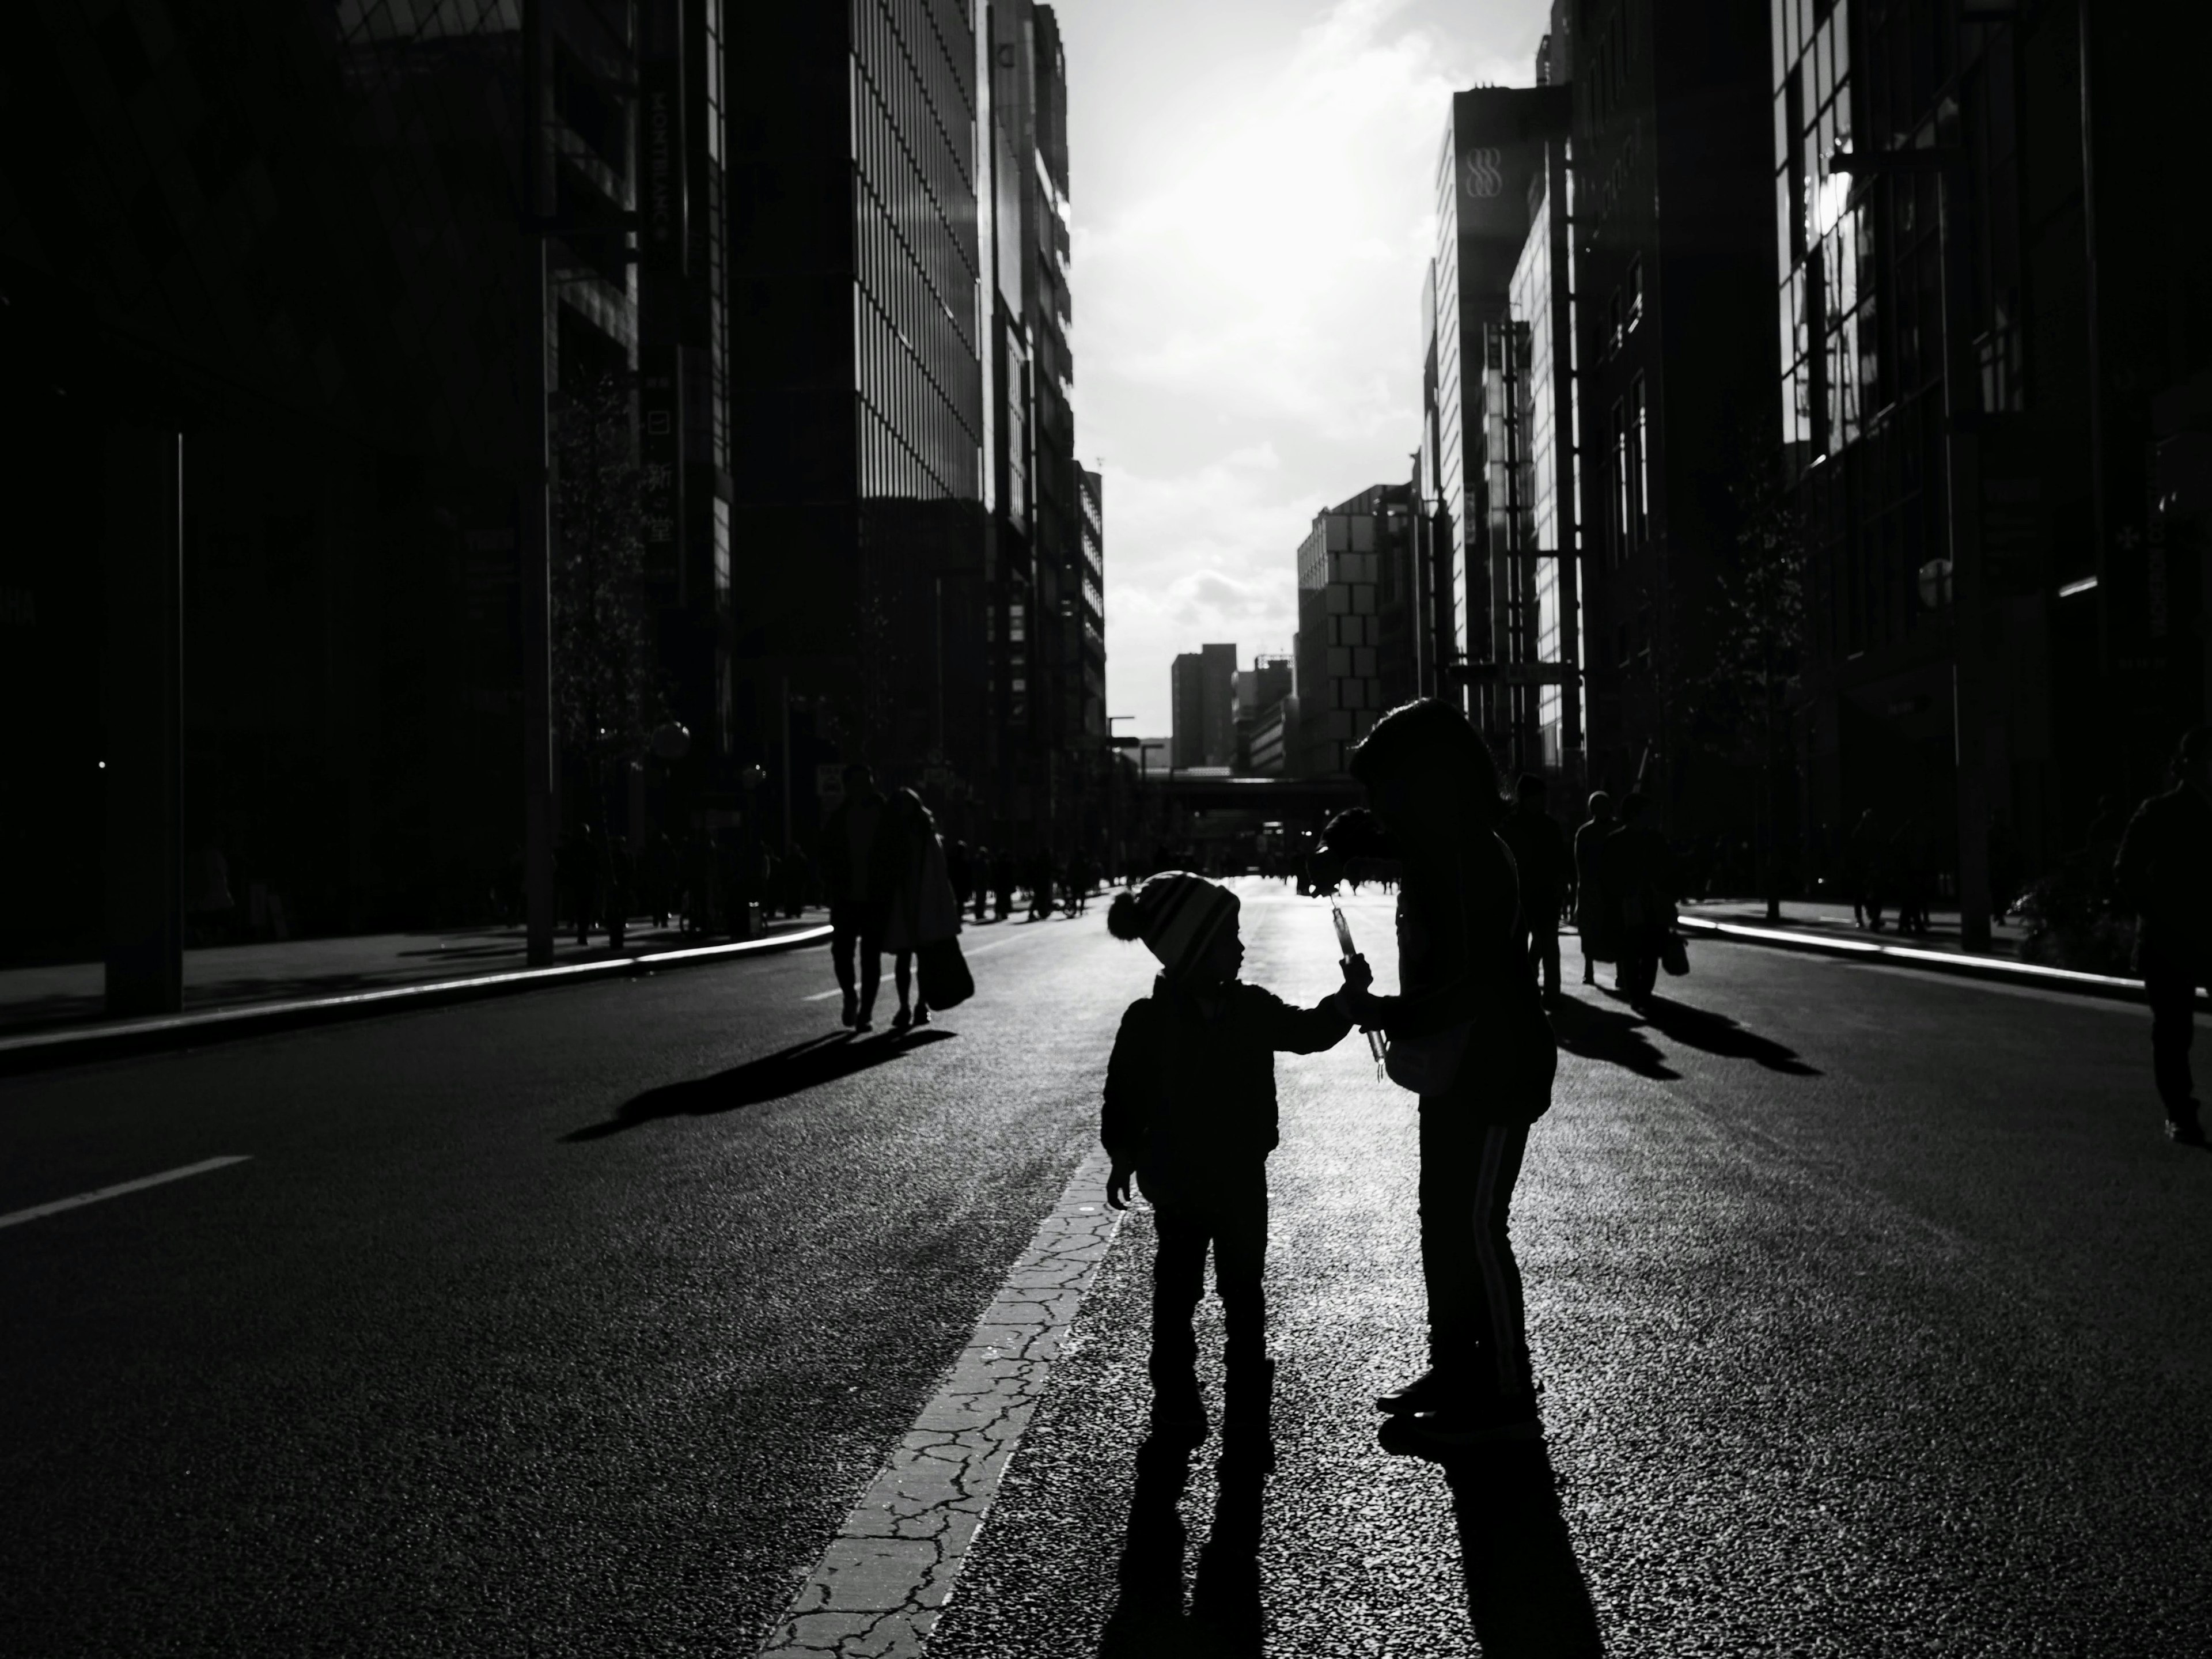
point(1376, 1045)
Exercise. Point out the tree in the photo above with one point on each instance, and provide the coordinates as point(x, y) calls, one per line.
point(607, 695)
point(1745, 697)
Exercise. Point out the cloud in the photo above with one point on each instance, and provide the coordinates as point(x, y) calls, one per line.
point(1246, 330)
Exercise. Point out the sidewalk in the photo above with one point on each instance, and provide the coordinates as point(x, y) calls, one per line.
point(63, 1007)
point(1826, 928)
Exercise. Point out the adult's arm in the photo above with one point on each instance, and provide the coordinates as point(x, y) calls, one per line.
point(2135, 871)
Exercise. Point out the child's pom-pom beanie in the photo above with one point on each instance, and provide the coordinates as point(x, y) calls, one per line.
point(1175, 913)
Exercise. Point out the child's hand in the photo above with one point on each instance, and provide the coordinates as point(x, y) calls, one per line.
point(1358, 975)
point(1117, 1186)
point(1360, 1006)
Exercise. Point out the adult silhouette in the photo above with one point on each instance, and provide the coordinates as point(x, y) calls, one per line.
point(2164, 873)
point(1469, 1037)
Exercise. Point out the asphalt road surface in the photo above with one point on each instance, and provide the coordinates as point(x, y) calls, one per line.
point(1871, 1307)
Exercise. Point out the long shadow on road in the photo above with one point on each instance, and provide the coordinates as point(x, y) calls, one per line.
point(1615, 1036)
point(772, 1076)
point(1223, 1620)
point(1525, 1591)
point(1716, 1034)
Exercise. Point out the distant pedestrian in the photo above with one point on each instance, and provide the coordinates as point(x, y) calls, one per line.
point(960, 871)
point(1641, 885)
point(1545, 867)
point(1591, 919)
point(853, 867)
point(923, 909)
point(2164, 874)
point(1468, 1035)
point(1865, 871)
point(1190, 1113)
point(1002, 883)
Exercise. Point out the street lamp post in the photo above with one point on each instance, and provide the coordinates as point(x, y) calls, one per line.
point(1963, 493)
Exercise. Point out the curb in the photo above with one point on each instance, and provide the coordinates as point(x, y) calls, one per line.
point(114, 1041)
point(2107, 988)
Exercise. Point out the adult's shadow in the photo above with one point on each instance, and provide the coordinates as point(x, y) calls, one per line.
point(1525, 1591)
point(1595, 1031)
point(1716, 1034)
point(1223, 1620)
point(787, 1072)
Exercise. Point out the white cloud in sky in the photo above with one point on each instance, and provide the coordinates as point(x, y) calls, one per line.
point(1246, 283)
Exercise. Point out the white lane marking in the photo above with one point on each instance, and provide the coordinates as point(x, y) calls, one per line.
point(118, 1190)
point(823, 996)
point(880, 1586)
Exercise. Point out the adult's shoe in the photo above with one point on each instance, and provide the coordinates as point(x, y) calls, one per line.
point(1493, 1421)
point(2183, 1128)
point(852, 1014)
point(900, 1020)
point(1432, 1390)
point(922, 1016)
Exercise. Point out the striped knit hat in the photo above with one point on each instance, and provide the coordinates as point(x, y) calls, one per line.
point(1176, 914)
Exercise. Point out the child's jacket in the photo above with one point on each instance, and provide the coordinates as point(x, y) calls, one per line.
point(1190, 1098)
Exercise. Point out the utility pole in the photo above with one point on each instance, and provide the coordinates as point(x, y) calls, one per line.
point(534, 551)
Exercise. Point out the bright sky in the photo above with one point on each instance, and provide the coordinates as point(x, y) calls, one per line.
point(1251, 183)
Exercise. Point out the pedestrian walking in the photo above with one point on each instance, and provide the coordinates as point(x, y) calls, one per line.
point(1468, 1035)
point(2164, 874)
point(923, 908)
point(1865, 872)
point(1190, 1113)
point(853, 868)
point(961, 871)
point(1641, 885)
point(1544, 866)
point(1002, 883)
point(1591, 903)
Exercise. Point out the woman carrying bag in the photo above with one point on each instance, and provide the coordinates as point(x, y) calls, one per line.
point(925, 915)
point(1468, 1035)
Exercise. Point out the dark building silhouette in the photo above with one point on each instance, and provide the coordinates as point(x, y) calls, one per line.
point(1672, 232)
point(1203, 699)
point(1358, 619)
point(1484, 566)
point(292, 238)
point(857, 396)
point(2006, 595)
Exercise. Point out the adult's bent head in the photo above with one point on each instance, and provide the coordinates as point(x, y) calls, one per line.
point(1428, 774)
point(1601, 805)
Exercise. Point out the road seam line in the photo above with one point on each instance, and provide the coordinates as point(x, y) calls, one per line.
point(883, 1582)
point(15, 1217)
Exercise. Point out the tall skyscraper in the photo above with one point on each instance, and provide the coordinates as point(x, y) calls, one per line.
point(1492, 168)
point(1202, 684)
point(1357, 612)
point(1043, 598)
point(858, 422)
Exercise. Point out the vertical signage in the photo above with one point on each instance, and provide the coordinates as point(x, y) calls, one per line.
point(660, 455)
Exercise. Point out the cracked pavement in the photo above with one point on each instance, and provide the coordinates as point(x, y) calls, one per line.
point(638, 1318)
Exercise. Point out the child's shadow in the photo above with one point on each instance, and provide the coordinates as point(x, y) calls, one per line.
point(1223, 1621)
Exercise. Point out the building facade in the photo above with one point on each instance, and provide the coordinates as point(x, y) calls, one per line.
point(1472, 468)
point(1260, 690)
point(298, 249)
point(858, 396)
point(1671, 226)
point(1203, 704)
point(1358, 615)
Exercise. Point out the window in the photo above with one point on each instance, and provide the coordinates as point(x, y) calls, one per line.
point(1617, 519)
point(1635, 293)
point(1616, 325)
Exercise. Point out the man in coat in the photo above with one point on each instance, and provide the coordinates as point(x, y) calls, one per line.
point(2164, 873)
point(1544, 866)
point(1589, 885)
point(855, 868)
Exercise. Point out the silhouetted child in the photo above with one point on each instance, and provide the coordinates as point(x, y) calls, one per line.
point(1190, 1111)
